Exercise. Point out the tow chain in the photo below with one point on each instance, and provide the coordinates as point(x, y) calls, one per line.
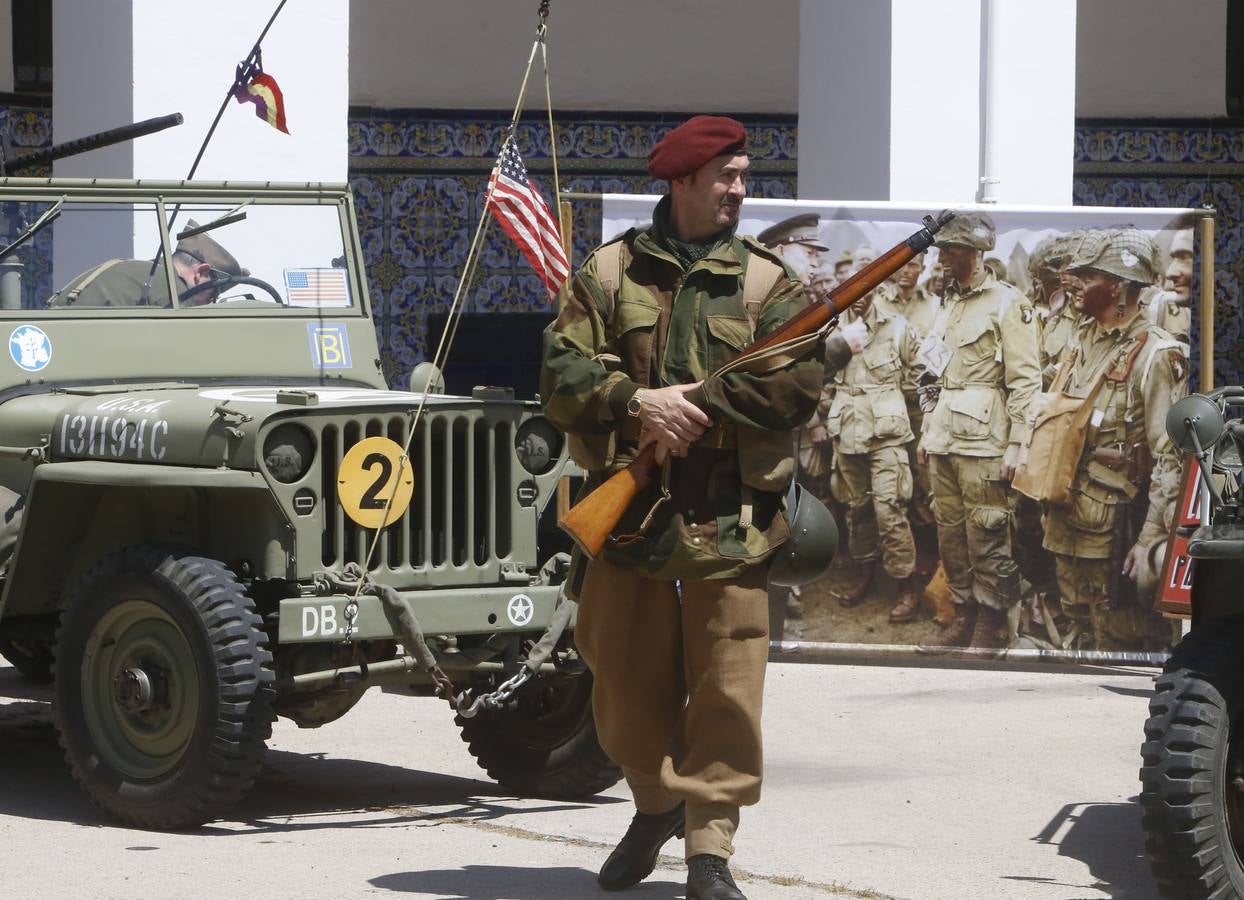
point(557, 566)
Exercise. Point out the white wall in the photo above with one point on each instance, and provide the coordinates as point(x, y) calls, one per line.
point(118, 61)
point(724, 55)
point(1133, 58)
point(1150, 58)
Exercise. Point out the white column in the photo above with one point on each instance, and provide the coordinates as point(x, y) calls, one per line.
point(844, 99)
point(119, 61)
point(892, 100)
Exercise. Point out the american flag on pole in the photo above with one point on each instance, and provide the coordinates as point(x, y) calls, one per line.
point(520, 209)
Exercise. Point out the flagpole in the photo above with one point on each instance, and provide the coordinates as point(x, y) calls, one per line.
point(453, 316)
point(250, 59)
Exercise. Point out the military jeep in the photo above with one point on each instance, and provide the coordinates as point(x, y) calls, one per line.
point(1192, 771)
point(219, 512)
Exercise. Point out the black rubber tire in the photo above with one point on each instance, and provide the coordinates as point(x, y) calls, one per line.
point(544, 743)
point(32, 658)
point(212, 621)
point(1192, 752)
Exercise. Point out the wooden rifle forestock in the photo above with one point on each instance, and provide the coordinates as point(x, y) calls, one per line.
point(592, 519)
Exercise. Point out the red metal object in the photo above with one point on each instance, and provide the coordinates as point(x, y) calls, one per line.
point(1175, 592)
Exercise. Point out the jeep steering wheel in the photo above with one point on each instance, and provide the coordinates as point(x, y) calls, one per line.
point(224, 282)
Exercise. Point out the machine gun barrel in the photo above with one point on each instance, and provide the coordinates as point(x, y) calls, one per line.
point(94, 141)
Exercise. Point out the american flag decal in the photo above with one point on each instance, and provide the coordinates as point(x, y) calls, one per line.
point(316, 287)
point(520, 209)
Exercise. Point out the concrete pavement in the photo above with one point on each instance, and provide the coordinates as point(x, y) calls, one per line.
point(881, 782)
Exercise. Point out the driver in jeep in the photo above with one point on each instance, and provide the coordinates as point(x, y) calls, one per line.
point(198, 260)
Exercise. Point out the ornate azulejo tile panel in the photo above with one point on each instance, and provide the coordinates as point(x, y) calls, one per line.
point(25, 129)
point(419, 179)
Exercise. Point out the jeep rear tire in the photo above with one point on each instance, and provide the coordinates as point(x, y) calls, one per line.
point(33, 658)
point(543, 743)
point(163, 687)
point(1192, 769)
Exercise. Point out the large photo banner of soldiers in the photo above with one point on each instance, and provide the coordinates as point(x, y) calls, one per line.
point(995, 451)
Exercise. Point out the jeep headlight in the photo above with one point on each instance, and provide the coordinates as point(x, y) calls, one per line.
point(538, 445)
point(288, 452)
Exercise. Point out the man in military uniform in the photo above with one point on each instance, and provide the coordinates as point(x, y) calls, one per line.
point(1170, 308)
point(1057, 317)
point(1123, 493)
point(983, 349)
point(871, 432)
point(673, 619)
point(918, 308)
point(844, 265)
point(796, 241)
point(198, 260)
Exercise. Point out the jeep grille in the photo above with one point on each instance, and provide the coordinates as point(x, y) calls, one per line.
point(463, 497)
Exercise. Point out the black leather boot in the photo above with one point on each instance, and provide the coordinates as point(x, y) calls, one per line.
point(636, 854)
point(708, 878)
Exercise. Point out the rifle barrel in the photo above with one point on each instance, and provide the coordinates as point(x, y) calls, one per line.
point(95, 141)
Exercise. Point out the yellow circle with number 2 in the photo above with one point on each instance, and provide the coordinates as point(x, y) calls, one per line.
point(373, 471)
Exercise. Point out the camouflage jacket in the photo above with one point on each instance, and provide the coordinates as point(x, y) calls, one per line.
point(993, 374)
point(1128, 424)
point(666, 325)
point(868, 411)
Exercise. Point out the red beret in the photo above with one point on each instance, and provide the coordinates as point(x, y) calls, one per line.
point(693, 143)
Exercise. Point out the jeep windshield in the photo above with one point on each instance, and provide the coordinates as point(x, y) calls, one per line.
point(109, 250)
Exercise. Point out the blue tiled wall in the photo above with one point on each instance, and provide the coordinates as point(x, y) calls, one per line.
point(418, 178)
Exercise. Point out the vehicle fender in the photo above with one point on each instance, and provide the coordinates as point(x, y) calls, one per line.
point(76, 512)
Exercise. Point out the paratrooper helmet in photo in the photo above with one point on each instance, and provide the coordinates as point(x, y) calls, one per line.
point(1124, 253)
point(968, 229)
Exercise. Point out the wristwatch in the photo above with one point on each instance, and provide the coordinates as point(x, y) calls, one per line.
point(635, 404)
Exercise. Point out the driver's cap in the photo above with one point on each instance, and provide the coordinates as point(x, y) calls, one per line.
point(204, 249)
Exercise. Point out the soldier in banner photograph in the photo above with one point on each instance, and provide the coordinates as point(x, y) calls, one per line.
point(982, 355)
point(1041, 618)
point(1170, 307)
point(918, 308)
point(844, 265)
point(1123, 492)
point(796, 240)
point(821, 283)
point(871, 433)
point(934, 283)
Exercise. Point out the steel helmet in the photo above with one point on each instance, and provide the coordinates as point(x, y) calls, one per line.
point(809, 550)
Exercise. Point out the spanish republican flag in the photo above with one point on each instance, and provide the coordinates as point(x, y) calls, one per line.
point(253, 85)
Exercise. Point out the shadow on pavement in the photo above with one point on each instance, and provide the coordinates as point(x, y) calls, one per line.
point(1107, 838)
point(515, 883)
point(294, 792)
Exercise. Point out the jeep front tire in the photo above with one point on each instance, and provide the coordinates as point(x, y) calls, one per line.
point(1192, 770)
point(543, 742)
point(163, 687)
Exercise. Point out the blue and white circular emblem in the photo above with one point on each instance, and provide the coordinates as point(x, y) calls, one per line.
point(30, 347)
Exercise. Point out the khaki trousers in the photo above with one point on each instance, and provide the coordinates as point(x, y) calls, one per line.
point(1084, 585)
point(974, 509)
point(877, 488)
point(679, 679)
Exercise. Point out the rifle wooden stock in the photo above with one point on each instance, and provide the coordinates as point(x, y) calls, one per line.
point(590, 521)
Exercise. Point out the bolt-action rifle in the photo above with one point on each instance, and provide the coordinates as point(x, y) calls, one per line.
point(592, 519)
